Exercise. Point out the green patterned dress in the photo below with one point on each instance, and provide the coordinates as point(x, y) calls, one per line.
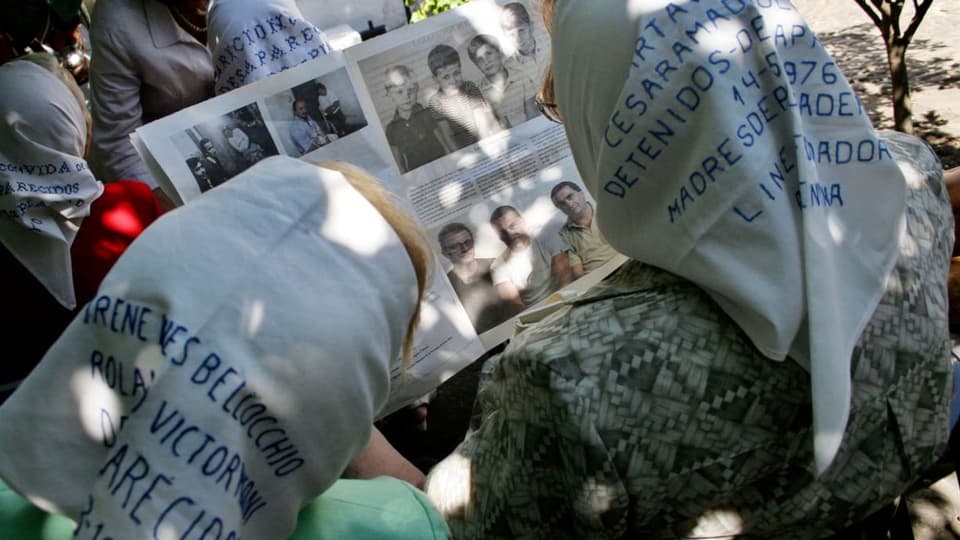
point(642, 411)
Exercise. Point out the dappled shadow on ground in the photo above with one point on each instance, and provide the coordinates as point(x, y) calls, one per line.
point(860, 54)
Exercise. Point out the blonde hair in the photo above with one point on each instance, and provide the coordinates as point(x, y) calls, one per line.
point(546, 12)
point(412, 236)
point(547, 94)
point(50, 63)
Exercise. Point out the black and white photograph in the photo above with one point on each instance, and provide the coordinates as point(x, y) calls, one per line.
point(316, 113)
point(219, 149)
point(439, 113)
point(454, 87)
point(509, 252)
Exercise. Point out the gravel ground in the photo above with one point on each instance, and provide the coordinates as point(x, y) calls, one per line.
point(933, 61)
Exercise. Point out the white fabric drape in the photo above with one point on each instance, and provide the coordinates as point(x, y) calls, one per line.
point(253, 39)
point(233, 360)
point(721, 143)
point(45, 186)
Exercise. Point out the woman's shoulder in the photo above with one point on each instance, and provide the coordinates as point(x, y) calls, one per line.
point(633, 277)
point(912, 149)
point(115, 18)
point(639, 308)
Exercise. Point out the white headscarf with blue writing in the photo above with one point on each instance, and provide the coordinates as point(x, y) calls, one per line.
point(45, 186)
point(721, 143)
point(228, 370)
point(253, 39)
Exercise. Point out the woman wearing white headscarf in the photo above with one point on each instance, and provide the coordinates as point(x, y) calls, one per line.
point(775, 359)
point(61, 230)
point(253, 39)
point(230, 368)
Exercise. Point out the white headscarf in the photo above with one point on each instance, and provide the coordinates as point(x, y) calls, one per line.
point(45, 186)
point(722, 144)
point(252, 39)
point(234, 360)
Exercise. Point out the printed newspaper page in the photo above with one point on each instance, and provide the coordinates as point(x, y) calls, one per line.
point(310, 112)
point(443, 113)
point(203, 146)
point(454, 100)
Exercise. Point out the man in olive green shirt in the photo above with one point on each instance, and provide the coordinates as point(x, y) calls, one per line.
point(588, 249)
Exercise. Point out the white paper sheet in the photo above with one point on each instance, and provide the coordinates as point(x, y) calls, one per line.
point(518, 156)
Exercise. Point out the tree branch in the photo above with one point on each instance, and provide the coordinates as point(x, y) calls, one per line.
point(896, 8)
point(920, 11)
point(870, 13)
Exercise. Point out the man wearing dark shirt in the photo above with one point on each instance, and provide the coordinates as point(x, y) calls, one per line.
point(471, 278)
point(413, 132)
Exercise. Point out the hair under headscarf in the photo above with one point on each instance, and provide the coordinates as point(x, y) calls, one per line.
point(722, 143)
point(45, 186)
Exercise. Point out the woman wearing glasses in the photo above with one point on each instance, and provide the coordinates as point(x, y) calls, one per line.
point(774, 361)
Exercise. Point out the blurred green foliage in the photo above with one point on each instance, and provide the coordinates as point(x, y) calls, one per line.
point(431, 7)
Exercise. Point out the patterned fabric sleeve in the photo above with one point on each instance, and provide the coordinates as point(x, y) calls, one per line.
point(532, 444)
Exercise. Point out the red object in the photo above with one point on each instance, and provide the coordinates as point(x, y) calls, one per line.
point(116, 218)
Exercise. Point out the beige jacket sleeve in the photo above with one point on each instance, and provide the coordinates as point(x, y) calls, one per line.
point(115, 102)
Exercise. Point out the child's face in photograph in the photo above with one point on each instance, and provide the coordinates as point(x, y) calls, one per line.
point(199, 171)
point(449, 78)
point(402, 91)
point(489, 60)
point(521, 35)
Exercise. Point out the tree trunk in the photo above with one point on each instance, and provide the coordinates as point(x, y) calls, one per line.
point(902, 106)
